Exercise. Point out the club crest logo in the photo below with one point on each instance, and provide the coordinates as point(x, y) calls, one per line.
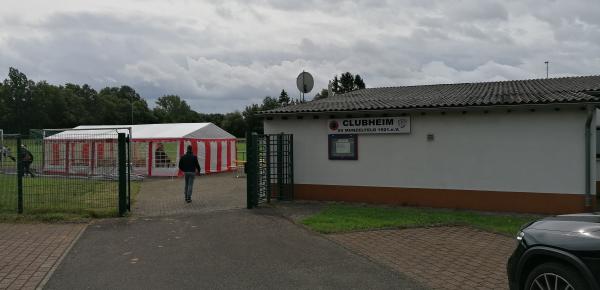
point(333, 125)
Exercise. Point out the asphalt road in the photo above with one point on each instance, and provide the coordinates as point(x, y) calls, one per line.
point(232, 249)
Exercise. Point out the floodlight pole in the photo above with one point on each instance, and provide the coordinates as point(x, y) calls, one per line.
point(546, 62)
point(131, 103)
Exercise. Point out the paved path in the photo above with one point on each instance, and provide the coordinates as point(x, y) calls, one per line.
point(234, 249)
point(29, 252)
point(212, 243)
point(439, 257)
point(164, 196)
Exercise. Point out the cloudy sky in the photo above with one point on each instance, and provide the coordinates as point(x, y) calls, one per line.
point(223, 55)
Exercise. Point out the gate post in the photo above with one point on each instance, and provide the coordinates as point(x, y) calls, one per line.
point(19, 176)
point(251, 170)
point(280, 166)
point(269, 190)
point(122, 175)
point(291, 165)
point(129, 170)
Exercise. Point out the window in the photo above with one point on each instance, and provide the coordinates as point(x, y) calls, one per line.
point(343, 147)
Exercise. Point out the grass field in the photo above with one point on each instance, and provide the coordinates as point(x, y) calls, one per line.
point(344, 218)
point(33, 145)
point(241, 149)
point(49, 198)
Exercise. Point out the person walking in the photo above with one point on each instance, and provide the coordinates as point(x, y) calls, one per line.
point(188, 163)
point(27, 159)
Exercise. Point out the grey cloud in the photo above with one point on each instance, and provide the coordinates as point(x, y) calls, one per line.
point(222, 57)
point(476, 10)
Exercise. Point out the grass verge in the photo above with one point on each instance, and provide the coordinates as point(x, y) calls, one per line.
point(66, 210)
point(345, 218)
point(55, 216)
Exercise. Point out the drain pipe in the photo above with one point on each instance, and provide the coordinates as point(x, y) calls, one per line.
point(588, 159)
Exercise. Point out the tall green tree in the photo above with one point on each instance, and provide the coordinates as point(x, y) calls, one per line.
point(215, 118)
point(172, 109)
point(234, 123)
point(347, 82)
point(4, 110)
point(324, 93)
point(284, 99)
point(253, 121)
point(335, 85)
point(270, 103)
point(251, 116)
point(359, 84)
point(18, 97)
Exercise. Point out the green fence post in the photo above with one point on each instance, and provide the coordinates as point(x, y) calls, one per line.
point(122, 175)
point(280, 167)
point(19, 176)
point(291, 165)
point(250, 173)
point(268, 189)
point(129, 169)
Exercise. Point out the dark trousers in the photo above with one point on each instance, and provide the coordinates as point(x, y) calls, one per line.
point(189, 184)
point(27, 168)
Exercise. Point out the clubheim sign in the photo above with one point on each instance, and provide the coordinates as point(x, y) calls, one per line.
point(392, 125)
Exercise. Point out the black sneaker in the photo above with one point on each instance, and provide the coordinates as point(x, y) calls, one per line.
point(188, 200)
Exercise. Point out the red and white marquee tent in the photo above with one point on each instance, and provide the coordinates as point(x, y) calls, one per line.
point(155, 148)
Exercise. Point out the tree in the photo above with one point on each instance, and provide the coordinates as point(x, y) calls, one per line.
point(269, 103)
point(359, 84)
point(172, 109)
point(234, 123)
point(253, 122)
point(324, 93)
point(4, 111)
point(17, 97)
point(215, 118)
point(284, 99)
point(335, 85)
point(25, 105)
point(346, 83)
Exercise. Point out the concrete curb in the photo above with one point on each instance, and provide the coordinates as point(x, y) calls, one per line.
point(59, 261)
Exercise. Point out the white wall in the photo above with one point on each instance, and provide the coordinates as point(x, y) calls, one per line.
point(540, 151)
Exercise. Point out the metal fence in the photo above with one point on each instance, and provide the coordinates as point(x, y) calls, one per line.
point(270, 168)
point(8, 168)
point(65, 171)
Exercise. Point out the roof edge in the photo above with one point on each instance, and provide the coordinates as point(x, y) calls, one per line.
point(435, 109)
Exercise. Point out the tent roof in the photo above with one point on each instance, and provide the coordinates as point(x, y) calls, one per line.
point(148, 131)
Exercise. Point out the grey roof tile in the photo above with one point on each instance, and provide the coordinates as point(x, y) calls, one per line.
point(520, 92)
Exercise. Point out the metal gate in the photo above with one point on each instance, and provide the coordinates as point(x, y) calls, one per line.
point(66, 171)
point(269, 168)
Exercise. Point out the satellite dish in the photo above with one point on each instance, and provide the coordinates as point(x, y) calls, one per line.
point(305, 82)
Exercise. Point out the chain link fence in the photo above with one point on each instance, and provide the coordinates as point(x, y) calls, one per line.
point(65, 171)
point(8, 169)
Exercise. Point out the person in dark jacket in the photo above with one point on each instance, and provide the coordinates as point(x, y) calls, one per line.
point(27, 159)
point(160, 156)
point(188, 163)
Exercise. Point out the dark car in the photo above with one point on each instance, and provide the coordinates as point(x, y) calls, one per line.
point(561, 252)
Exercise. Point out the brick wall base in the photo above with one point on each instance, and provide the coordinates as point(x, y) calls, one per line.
point(522, 202)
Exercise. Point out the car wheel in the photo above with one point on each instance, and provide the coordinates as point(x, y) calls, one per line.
point(553, 276)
